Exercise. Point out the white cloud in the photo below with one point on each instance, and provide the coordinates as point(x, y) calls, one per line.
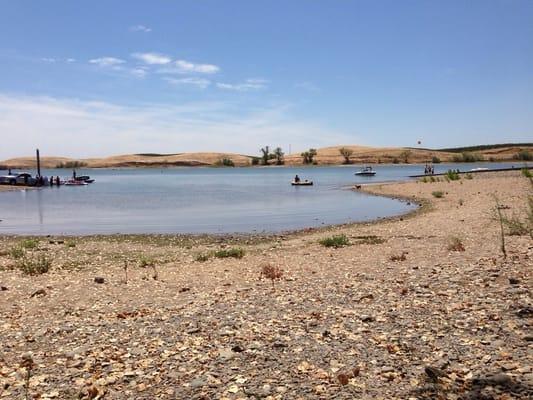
point(48, 60)
point(55, 125)
point(138, 72)
point(107, 61)
point(187, 67)
point(152, 58)
point(140, 28)
point(198, 82)
point(71, 60)
point(249, 84)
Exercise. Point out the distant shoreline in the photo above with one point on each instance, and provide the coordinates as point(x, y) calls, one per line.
point(335, 156)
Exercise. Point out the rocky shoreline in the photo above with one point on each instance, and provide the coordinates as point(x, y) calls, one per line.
point(402, 311)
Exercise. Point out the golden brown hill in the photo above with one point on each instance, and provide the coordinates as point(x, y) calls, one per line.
point(325, 156)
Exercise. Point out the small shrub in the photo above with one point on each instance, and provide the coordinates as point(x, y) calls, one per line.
point(369, 239)
point(335, 241)
point(17, 252)
point(432, 179)
point(34, 266)
point(395, 160)
point(145, 261)
point(527, 173)
point(469, 176)
point(455, 244)
point(424, 180)
point(234, 252)
point(461, 202)
point(524, 155)
point(29, 243)
point(399, 257)
point(201, 257)
point(71, 164)
point(435, 160)
point(271, 272)
point(438, 194)
point(515, 226)
point(255, 160)
point(70, 244)
point(225, 162)
point(452, 175)
point(468, 157)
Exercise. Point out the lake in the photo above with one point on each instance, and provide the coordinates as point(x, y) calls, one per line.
point(204, 200)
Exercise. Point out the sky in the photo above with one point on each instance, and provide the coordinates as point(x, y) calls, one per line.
point(104, 77)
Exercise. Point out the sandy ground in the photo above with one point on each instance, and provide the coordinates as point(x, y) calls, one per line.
point(396, 314)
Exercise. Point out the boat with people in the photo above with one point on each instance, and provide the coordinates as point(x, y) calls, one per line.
point(366, 171)
point(302, 183)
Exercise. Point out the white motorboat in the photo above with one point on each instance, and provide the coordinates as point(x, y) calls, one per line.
point(366, 171)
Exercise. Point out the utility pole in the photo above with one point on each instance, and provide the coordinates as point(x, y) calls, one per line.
point(38, 163)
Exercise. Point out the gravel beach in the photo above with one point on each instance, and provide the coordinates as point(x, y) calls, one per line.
point(423, 306)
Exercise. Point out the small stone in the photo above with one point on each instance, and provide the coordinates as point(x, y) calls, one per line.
point(366, 318)
point(433, 372)
point(225, 354)
point(197, 383)
point(343, 379)
point(99, 279)
point(528, 338)
point(39, 292)
point(237, 349)
point(514, 281)
point(3, 288)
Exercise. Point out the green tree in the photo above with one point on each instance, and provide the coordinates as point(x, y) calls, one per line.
point(278, 153)
point(404, 155)
point(266, 155)
point(308, 156)
point(346, 153)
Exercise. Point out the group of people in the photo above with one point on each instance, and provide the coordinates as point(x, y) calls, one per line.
point(45, 181)
point(429, 170)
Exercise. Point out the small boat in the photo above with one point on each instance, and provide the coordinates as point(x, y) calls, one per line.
point(84, 178)
point(302, 183)
point(366, 171)
point(73, 182)
point(479, 169)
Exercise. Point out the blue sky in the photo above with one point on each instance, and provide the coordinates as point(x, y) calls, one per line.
point(108, 77)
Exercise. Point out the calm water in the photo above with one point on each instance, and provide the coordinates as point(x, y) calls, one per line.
point(202, 200)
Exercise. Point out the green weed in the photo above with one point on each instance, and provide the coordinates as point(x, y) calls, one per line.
point(335, 241)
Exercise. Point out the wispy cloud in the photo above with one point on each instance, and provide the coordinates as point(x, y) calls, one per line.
point(138, 72)
point(140, 28)
point(187, 67)
point(152, 58)
point(53, 60)
point(48, 123)
point(107, 61)
point(249, 84)
point(198, 82)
